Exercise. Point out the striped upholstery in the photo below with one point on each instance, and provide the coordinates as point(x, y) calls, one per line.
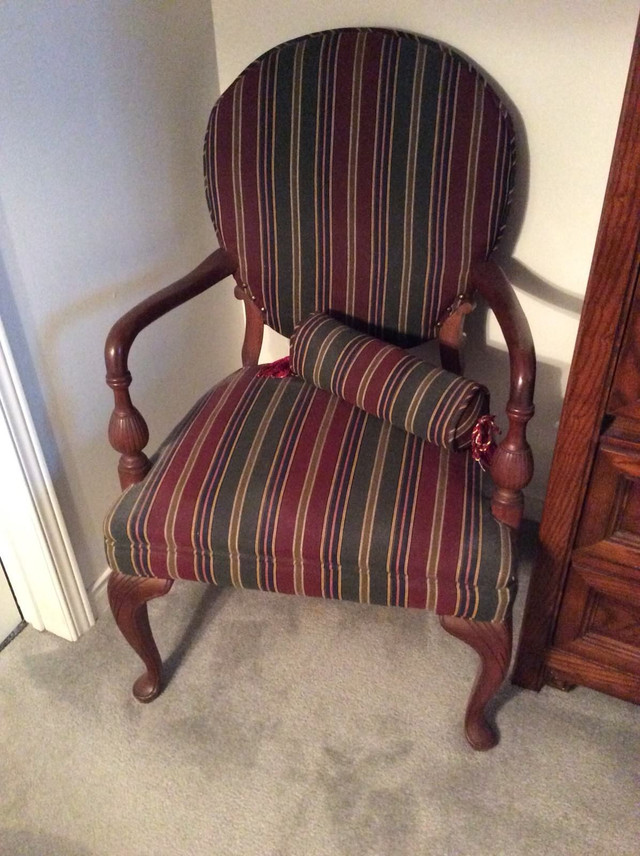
point(390, 383)
point(360, 171)
point(277, 485)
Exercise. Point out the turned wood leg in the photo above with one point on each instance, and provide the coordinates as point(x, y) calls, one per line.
point(492, 641)
point(128, 598)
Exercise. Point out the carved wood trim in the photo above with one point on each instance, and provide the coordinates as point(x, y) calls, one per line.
point(512, 463)
point(128, 598)
point(128, 432)
point(492, 642)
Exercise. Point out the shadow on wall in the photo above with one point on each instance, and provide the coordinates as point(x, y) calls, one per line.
point(489, 364)
point(527, 281)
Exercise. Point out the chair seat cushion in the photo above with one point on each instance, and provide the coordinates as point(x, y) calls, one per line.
point(277, 485)
point(387, 381)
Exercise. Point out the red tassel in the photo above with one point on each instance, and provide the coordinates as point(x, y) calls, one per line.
point(279, 368)
point(483, 444)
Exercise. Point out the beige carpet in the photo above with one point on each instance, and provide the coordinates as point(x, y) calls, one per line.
point(295, 727)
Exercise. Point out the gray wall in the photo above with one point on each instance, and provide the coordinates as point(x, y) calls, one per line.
point(103, 107)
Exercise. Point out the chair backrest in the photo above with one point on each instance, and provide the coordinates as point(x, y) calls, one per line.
point(359, 172)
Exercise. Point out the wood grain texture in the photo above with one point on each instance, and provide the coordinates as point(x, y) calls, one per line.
point(254, 327)
point(451, 335)
point(512, 463)
point(492, 642)
point(575, 491)
point(573, 669)
point(128, 432)
point(625, 391)
point(128, 597)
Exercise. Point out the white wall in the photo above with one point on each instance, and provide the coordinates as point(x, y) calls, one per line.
point(103, 108)
point(563, 64)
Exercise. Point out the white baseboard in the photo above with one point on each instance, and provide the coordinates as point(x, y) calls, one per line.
point(98, 594)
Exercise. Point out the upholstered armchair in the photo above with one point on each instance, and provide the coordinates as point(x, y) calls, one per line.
point(358, 182)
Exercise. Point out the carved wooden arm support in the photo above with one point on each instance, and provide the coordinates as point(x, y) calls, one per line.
point(128, 432)
point(512, 464)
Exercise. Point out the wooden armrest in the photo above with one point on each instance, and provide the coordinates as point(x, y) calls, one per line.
point(214, 268)
point(128, 432)
point(512, 465)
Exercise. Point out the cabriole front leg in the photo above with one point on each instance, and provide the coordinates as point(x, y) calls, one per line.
point(492, 641)
point(128, 598)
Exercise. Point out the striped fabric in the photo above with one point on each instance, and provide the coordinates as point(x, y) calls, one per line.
point(390, 383)
point(360, 171)
point(274, 484)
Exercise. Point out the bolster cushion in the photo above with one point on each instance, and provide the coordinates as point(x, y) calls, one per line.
point(386, 381)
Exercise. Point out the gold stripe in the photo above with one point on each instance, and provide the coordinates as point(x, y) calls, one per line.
point(366, 538)
point(346, 490)
point(367, 375)
point(387, 218)
point(320, 109)
point(243, 484)
point(374, 223)
point(437, 529)
point(392, 550)
point(329, 179)
point(450, 122)
point(410, 188)
point(266, 498)
point(294, 176)
point(420, 392)
point(265, 245)
point(236, 175)
point(352, 173)
point(305, 496)
point(470, 189)
point(275, 286)
point(185, 473)
point(429, 293)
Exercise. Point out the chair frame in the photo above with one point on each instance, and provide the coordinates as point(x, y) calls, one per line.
point(511, 467)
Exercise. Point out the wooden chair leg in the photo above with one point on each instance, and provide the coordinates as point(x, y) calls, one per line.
point(128, 598)
point(492, 641)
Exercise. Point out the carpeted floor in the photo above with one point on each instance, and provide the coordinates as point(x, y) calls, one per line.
point(296, 727)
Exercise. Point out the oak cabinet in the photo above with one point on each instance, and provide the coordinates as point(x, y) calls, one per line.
point(582, 619)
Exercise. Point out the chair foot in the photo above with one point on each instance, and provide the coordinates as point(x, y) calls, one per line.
point(128, 598)
point(492, 641)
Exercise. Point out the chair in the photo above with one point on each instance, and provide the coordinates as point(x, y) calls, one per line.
point(358, 182)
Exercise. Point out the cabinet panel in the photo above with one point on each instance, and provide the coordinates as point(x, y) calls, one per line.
point(618, 621)
point(598, 625)
point(598, 633)
point(624, 398)
point(582, 619)
point(609, 528)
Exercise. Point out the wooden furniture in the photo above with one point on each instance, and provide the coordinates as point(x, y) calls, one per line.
point(582, 619)
point(364, 175)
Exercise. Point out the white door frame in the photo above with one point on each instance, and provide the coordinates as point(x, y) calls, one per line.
point(34, 543)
